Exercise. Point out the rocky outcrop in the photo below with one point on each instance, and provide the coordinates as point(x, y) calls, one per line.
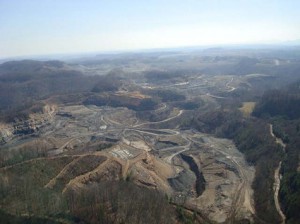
point(25, 128)
point(6, 133)
point(30, 126)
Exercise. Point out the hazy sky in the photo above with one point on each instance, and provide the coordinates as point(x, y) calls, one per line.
point(33, 27)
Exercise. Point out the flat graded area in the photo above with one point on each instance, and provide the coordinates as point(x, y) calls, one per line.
point(151, 157)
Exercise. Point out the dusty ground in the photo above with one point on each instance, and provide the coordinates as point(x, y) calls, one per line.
point(247, 108)
point(120, 146)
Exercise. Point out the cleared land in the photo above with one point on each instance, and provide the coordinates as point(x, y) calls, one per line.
point(113, 143)
point(247, 108)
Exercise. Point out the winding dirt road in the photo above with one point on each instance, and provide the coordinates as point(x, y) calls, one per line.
point(276, 187)
point(158, 122)
point(242, 195)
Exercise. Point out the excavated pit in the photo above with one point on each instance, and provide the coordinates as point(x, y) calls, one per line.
point(200, 181)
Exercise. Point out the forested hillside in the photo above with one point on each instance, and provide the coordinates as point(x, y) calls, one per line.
point(282, 109)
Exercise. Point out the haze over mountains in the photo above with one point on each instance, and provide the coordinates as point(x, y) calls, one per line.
point(41, 28)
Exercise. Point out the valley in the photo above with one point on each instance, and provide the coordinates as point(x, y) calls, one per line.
point(151, 156)
point(174, 132)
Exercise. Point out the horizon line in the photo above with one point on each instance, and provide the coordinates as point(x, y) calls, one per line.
point(288, 43)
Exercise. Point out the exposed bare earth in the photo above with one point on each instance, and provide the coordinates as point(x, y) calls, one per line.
point(106, 143)
point(247, 108)
point(149, 157)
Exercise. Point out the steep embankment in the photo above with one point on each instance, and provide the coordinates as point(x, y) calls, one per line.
point(36, 119)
